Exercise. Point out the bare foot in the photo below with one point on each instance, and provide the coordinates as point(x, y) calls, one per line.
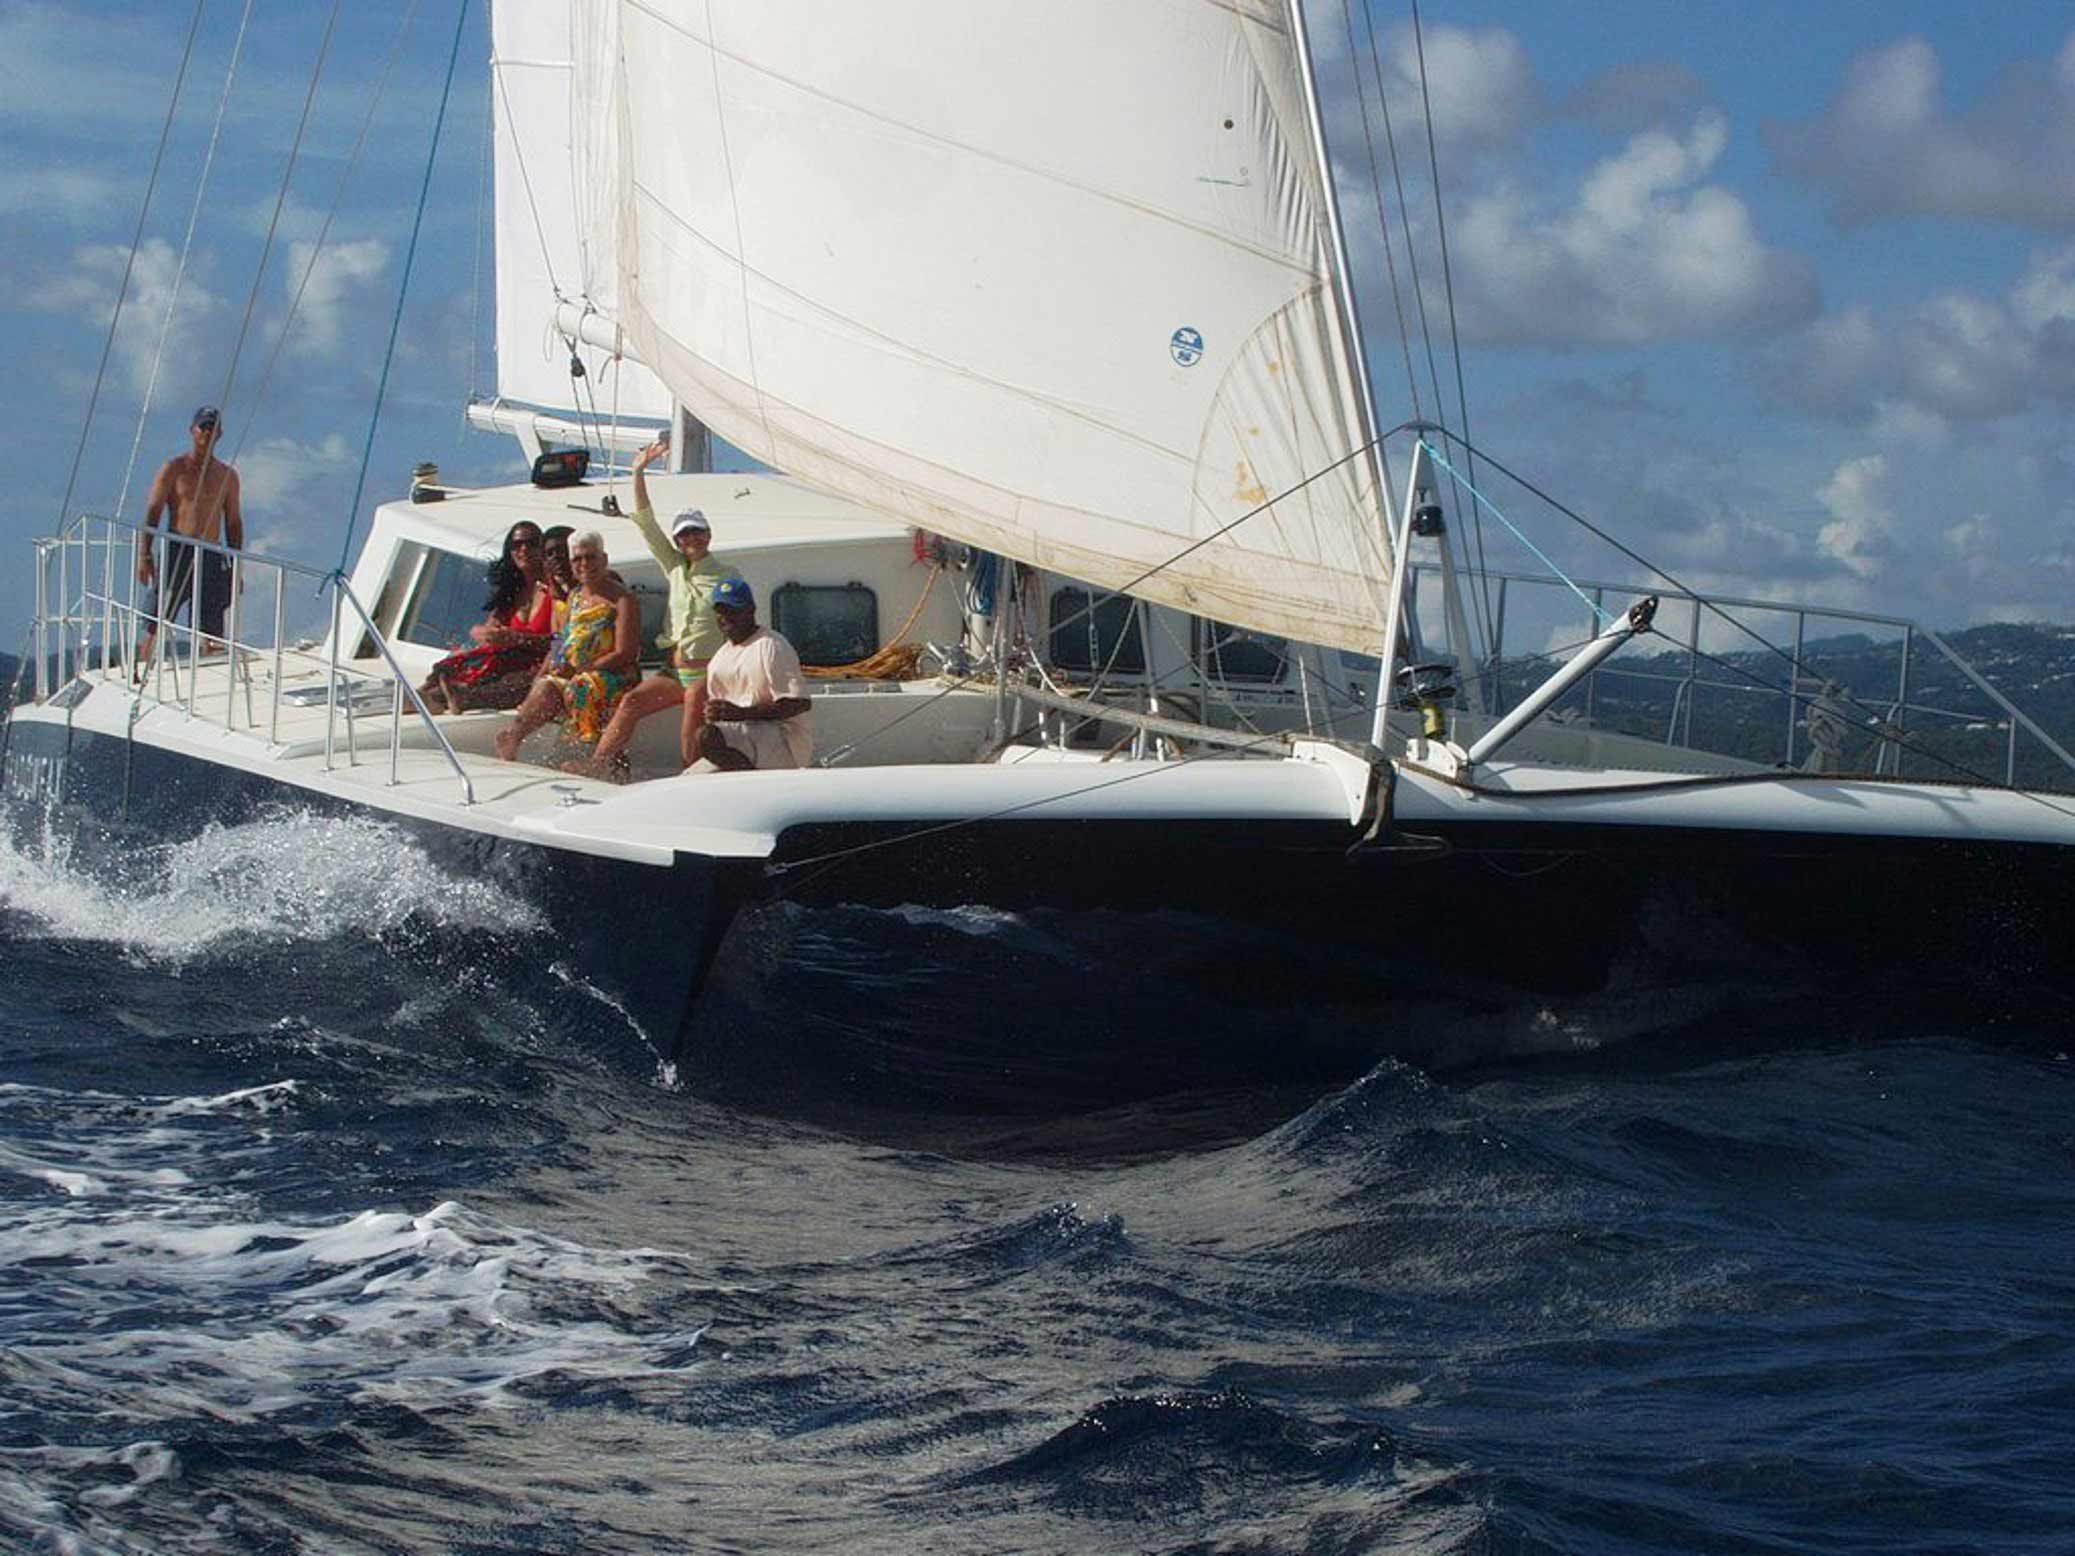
point(507, 742)
point(614, 769)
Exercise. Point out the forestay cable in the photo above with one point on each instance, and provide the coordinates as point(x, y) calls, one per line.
point(194, 216)
point(129, 265)
point(1455, 344)
point(266, 248)
point(403, 289)
point(338, 198)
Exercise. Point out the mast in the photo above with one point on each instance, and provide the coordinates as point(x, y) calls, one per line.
point(1344, 301)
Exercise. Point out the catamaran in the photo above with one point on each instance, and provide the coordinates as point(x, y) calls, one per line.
point(1039, 322)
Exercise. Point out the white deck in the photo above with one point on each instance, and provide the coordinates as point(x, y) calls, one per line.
point(741, 815)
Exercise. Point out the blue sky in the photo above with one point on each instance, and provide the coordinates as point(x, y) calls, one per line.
point(1783, 293)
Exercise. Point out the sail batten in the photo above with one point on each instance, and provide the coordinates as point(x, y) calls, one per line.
point(1054, 280)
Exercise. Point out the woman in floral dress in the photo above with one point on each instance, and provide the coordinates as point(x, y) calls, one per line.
point(595, 661)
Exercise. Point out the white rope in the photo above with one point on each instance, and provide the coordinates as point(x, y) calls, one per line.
point(136, 240)
point(295, 303)
point(475, 279)
point(194, 215)
point(266, 248)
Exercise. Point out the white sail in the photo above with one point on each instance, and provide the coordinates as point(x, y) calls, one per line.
point(1051, 278)
point(553, 243)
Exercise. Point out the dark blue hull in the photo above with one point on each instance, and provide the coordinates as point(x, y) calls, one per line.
point(643, 936)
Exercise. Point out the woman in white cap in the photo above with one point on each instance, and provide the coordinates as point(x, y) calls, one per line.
point(690, 632)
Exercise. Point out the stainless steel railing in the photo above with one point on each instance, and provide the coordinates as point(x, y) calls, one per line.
point(1794, 677)
point(89, 624)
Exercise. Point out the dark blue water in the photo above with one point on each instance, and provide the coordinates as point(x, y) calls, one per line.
point(339, 1217)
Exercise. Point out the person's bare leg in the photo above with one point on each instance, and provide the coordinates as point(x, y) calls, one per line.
point(651, 696)
point(714, 747)
point(542, 705)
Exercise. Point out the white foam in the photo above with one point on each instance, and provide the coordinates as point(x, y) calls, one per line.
point(270, 1098)
point(285, 876)
point(434, 1308)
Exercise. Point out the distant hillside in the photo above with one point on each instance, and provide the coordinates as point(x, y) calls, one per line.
point(1738, 704)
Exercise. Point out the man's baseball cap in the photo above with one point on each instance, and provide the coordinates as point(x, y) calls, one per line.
point(690, 519)
point(206, 416)
point(735, 594)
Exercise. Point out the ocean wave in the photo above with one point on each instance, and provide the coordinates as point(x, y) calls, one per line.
point(285, 877)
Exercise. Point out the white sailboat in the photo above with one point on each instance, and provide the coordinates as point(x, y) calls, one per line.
point(1064, 288)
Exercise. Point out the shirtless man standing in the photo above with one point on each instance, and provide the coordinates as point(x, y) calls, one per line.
point(203, 493)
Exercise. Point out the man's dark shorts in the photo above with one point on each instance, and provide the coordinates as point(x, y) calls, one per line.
point(179, 586)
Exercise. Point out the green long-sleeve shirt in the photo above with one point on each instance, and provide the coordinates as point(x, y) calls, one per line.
point(690, 626)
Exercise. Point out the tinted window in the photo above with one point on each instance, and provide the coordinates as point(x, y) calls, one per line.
point(655, 607)
point(1234, 654)
point(448, 601)
point(827, 624)
point(1115, 618)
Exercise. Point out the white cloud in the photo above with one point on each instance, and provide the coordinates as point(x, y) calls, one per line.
point(90, 285)
point(1480, 85)
point(1647, 252)
point(273, 468)
point(1861, 531)
point(68, 194)
point(295, 493)
point(1888, 146)
point(342, 273)
point(1637, 95)
point(1957, 356)
point(56, 66)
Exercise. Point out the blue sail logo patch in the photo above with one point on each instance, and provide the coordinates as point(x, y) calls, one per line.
point(1186, 347)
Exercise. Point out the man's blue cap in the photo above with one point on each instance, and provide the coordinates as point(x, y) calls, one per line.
point(205, 416)
point(735, 594)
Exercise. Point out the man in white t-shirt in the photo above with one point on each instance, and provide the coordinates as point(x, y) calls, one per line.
point(756, 694)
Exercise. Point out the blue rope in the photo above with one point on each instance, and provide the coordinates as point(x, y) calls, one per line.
point(367, 452)
point(1604, 617)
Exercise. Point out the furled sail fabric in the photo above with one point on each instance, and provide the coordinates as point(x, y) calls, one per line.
point(554, 241)
point(1050, 278)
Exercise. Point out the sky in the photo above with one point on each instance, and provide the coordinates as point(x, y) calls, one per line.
point(1782, 294)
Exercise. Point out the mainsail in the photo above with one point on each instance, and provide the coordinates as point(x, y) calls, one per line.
point(550, 248)
point(1052, 279)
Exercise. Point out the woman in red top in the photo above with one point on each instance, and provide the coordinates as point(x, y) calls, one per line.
point(512, 640)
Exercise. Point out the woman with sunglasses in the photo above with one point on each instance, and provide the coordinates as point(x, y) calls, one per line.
point(510, 642)
point(595, 663)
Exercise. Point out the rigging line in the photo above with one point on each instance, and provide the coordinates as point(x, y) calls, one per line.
point(1700, 601)
point(194, 214)
point(836, 856)
point(1195, 545)
point(1225, 529)
point(1455, 344)
point(129, 265)
point(525, 179)
point(1436, 456)
point(404, 288)
point(1419, 296)
point(266, 248)
point(1681, 781)
point(1879, 728)
point(338, 198)
point(1383, 219)
point(727, 162)
point(475, 278)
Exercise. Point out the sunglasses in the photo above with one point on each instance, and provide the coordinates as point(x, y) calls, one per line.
point(528, 541)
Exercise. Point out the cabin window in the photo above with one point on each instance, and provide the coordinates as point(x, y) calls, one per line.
point(1117, 645)
point(827, 624)
point(1234, 654)
point(655, 613)
point(447, 602)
